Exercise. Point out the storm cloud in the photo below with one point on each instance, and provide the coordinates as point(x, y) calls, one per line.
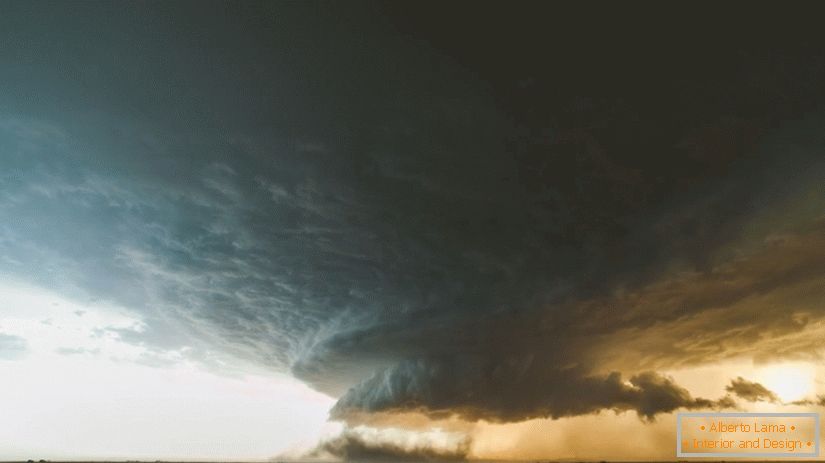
point(364, 211)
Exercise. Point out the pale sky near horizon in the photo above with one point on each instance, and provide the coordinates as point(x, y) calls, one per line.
point(75, 392)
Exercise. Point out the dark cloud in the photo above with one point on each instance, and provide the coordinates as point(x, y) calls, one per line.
point(751, 391)
point(513, 390)
point(759, 301)
point(818, 401)
point(352, 446)
point(12, 347)
point(331, 197)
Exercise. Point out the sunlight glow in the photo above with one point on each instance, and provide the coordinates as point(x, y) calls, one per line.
point(790, 381)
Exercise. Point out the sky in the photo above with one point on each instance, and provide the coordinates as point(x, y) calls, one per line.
point(287, 230)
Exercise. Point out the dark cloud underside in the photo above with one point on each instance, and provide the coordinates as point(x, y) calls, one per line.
point(501, 389)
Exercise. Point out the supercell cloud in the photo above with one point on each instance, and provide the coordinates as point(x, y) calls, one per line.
point(364, 211)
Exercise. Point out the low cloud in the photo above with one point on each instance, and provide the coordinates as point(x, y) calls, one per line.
point(819, 401)
point(353, 446)
point(751, 391)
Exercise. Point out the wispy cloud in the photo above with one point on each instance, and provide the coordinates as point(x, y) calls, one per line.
point(12, 347)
